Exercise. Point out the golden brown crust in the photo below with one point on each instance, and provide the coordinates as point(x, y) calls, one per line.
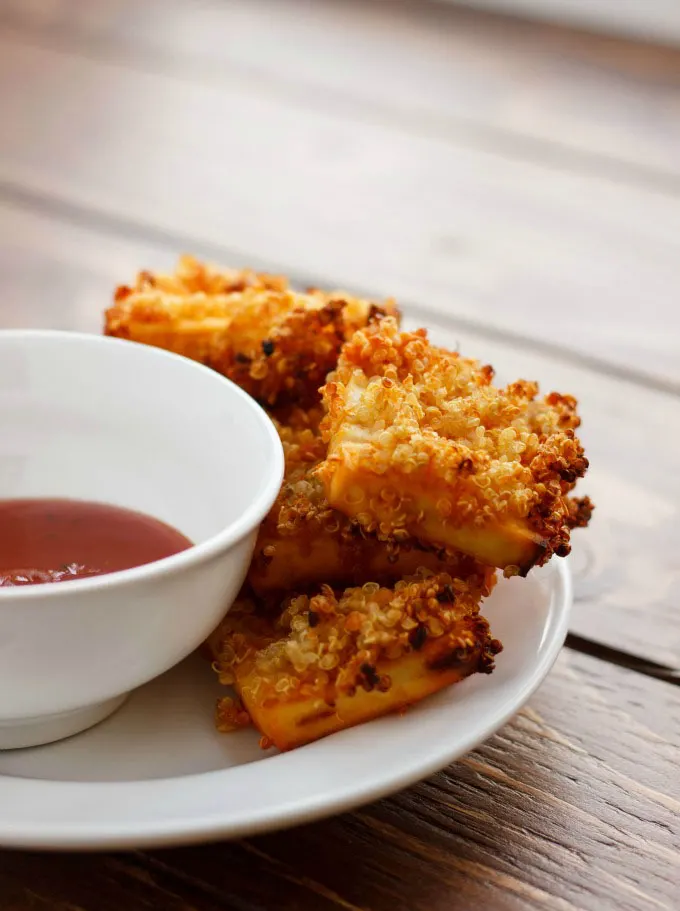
point(421, 444)
point(330, 662)
point(303, 541)
point(195, 277)
point(580, 511)
point(274, 342)
point(292, 362)
point(292, 419)
point(185, 311)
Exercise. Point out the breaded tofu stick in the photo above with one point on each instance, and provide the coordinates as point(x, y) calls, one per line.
point(185, 311)
point(330, 663)
point(274, 342)
point(422, 445)
point(304, 541)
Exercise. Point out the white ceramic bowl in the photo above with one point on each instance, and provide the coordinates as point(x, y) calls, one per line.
point(92, 418)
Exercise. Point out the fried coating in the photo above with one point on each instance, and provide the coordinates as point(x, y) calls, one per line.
point(422, 445)
point(185, 311)
point(332, 662)
point(303, 541)
point(275, 343)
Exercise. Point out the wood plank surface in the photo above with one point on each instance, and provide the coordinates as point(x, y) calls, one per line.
point(535, 251)
point(59, 274)
point(574, 806)
point(590, 102)
point(652, 20)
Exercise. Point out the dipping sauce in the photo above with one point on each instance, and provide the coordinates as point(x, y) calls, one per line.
point(57, 540)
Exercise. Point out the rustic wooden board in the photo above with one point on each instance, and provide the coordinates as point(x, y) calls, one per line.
point(59, 274)
point(532, 249)
point(653, 20)
point(574, 805)
point(583, 101)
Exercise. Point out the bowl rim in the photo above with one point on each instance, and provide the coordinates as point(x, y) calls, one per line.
point(198, 553)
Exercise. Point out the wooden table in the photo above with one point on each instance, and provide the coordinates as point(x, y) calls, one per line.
point(520, 178)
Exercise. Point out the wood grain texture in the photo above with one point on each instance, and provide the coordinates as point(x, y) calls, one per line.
point(36, 882)
point(529, 248)
point(574, 805)
point(653, 20)
point(592, 102)
point(59, 274)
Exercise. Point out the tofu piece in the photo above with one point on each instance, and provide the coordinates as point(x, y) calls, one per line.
point(421, 445)
point(300, 719)
point(498, 544)
point(299, 562)
point(333, 662)
point(189, 310)
point(304, 541)
point(276, 343)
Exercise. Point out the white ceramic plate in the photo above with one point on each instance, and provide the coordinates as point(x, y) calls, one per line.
point(157, 773)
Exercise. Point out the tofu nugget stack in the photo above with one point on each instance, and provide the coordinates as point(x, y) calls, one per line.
point(410, 478)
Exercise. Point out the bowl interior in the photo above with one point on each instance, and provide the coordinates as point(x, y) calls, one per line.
point(100, 419)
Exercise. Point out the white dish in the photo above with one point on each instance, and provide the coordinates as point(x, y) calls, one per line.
point(90, 418)
point(157, 773)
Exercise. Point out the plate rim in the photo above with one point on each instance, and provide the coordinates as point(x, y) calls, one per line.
point(159, 833)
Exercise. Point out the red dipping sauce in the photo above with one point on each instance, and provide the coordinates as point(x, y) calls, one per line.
point(57, 540)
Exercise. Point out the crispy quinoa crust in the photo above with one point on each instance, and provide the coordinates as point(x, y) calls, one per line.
point(312, 671)
point(421, 444)
point(194, 277)
point(276, 343)
point(304, 541)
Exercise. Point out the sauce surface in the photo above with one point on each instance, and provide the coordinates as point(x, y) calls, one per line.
point(57, 540)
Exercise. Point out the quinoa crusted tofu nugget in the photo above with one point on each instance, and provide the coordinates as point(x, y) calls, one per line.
point(276, 343)
point(422, 445)
point(185, 311)
point(330, 662)
point(303, 541)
